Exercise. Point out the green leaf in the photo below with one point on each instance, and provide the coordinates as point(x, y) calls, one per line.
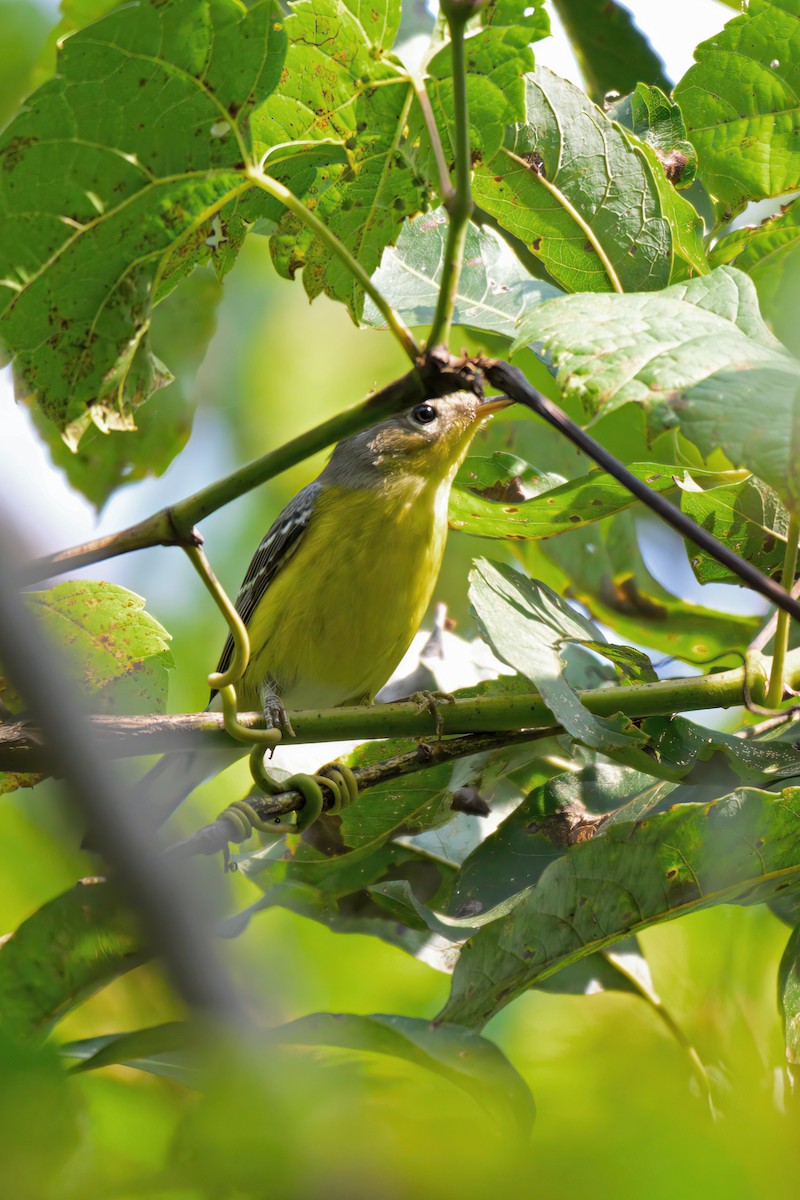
point(494, 290)
point(740, 103)
point(181, 329)
point(69, 948)
point(755, 761)
point(747, 517)
point(340, 86)
point(742, 848)
point(651, 349)
point(696, 355)
point(633, 666)
point(657, 121)
point(118, 653)
point(587, 199)
point(458, 1055)
point(603, 569)
point(539, 831)
point(525, 623)
point(612, 53)
point(141, 139)
point(770, 254)
point(570, 505)
point(158, 1050)
point(789, 996)
point(497, 58)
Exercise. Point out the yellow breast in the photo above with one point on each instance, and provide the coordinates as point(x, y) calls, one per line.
point(335, 622)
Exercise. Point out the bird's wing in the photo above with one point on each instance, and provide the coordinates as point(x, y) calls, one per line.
point(276, 548)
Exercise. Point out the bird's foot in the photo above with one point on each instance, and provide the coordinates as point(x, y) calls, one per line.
point(432, 702)
point(276, 715)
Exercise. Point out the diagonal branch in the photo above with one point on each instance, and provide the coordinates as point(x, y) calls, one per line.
point(512, 381)
point(435, 374)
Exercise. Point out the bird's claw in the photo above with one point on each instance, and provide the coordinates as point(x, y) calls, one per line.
point(432, 702)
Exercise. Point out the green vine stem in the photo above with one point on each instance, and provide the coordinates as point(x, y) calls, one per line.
point(124, 737)
point(459, 202)
point(277, 190)
point(776, 679)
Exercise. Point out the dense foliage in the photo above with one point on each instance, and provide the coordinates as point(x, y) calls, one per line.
point(169, 143)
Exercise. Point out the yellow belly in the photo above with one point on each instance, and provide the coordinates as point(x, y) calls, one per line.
point(336, 621)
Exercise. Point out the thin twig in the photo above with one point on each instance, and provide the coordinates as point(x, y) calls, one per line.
point(775, 687)
point(213, 838)
point(512, 381)
point(446, 189)
point(459, 204)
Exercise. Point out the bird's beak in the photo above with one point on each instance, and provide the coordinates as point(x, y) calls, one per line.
point(492, 405)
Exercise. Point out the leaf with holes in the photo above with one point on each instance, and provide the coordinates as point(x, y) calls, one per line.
point(112, 177)
point(570, 505)
point(657, 121)
point(340, 85)
point(742, 848)
point(741, 105)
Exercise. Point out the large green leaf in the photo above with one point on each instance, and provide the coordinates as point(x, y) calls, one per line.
point(570, 505)
point(697, 354)
point(121, 174)
point(586, 197)
point(739, 849)
point(72, 946)
point(494, 289)
point(612, 53)
point(497, 58)
point(741, 105)
point(466, 1060)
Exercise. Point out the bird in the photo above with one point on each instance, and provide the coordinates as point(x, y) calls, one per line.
point(341, 581)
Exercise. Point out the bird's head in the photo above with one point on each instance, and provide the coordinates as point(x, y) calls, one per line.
point(428, 440)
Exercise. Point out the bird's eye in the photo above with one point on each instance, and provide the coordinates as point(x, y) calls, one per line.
point(423, 414)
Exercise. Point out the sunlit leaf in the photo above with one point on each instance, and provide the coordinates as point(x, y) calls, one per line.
point(740, 103)
point(747, 517)
point(696, 355)
point(140, 139)
point(657, 121)
point(494, 289)
point(570, 505)
point(525, 623)
point(558, 184)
